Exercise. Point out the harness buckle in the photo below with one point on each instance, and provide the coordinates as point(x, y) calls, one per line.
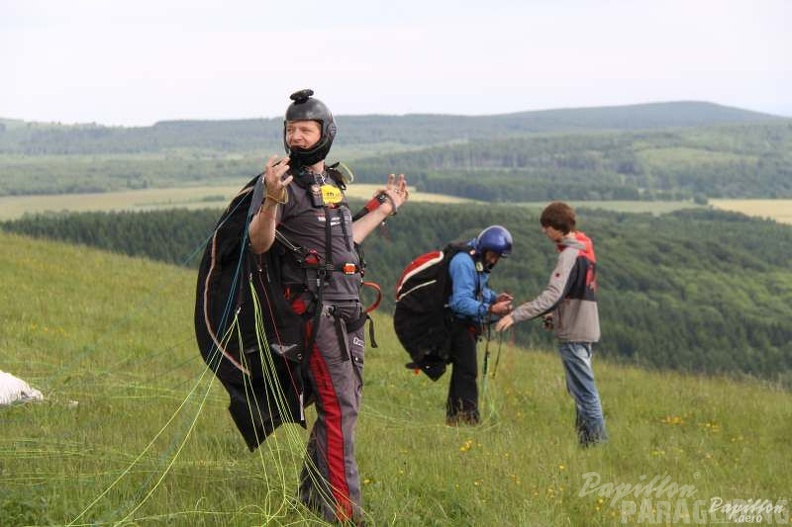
point(311, 259)
point(349, 268)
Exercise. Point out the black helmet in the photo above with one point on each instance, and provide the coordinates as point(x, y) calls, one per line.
point(496, 239)
point(305, 108)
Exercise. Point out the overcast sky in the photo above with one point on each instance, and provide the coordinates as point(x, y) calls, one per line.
point(135, 62)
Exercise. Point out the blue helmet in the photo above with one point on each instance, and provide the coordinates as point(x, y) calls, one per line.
point(496, 239)
point(307, 108)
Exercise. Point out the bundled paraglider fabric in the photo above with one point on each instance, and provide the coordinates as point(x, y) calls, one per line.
point(246, 332)
point(15, 390)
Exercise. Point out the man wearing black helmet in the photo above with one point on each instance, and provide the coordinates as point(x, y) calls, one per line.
point(472, 303)
point(304, 200)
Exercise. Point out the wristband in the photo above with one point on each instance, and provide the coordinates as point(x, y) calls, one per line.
point(382, 196)
point(282, 199)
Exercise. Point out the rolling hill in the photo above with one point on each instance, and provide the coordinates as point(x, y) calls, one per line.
point(664, 151)
point(133, 432)
point(416, 129)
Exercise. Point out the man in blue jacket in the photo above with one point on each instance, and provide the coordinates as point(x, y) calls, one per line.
point(472, 303)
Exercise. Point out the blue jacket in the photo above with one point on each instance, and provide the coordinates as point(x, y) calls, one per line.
point(470, 296)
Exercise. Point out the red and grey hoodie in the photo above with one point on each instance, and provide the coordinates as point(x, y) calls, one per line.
point(571, 293)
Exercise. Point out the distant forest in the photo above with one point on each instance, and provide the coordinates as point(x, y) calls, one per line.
point(676, 151)
point(745, 161)
point(699, 291)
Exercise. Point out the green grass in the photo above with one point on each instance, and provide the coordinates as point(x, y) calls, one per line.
point(779, 210)
point(133, 431)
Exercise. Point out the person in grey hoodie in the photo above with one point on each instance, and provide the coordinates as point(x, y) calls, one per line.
point(569, 306)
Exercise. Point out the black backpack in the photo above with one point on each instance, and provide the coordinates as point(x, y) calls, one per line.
point(421, 319)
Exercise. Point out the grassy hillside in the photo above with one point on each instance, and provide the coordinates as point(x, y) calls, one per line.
point(779, 210)
point(132, 431)
point(694, 290)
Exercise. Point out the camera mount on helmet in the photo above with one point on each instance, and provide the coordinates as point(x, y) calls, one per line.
point(307, 108)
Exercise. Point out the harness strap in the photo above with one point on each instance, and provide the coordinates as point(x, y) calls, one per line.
point(356, 325)
point(320, 278)
point(311, 260)
point(377, 301)
point(371, 333)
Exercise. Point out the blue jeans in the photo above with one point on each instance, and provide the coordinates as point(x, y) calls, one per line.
point(589, 421)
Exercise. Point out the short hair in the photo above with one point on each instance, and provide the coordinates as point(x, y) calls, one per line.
point(559, 216)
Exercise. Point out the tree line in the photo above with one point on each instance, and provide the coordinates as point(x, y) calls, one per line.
point(697, 290)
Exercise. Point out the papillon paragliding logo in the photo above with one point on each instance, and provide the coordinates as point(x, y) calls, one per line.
point(662, 501)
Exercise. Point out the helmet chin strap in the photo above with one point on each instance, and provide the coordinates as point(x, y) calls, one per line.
point(301, 158)
point(481, 263)
point(481, 260)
